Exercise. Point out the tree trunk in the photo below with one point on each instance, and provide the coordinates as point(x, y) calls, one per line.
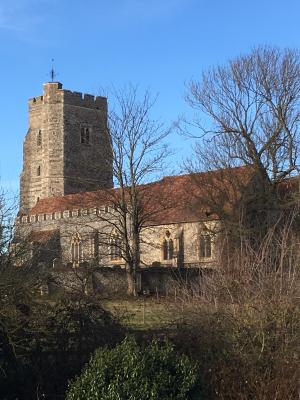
point(131, 283)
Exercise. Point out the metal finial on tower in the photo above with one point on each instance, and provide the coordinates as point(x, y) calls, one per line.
point(52, 72)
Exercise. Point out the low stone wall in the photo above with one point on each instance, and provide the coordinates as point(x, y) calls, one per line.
point(110, 281)
point(114, 281)
point(166, 281)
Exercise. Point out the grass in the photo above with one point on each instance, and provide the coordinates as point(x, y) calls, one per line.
point(144, 313)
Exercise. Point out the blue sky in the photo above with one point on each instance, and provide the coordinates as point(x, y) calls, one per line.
point(158, 44)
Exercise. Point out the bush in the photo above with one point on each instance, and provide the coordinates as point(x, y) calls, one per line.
point(42, 346)
point(131, 372)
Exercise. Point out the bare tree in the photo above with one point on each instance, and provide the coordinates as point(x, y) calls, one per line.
point(252, 105)
point(139, 152)
point(247, 113)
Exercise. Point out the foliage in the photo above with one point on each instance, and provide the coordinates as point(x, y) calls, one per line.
point(131, 372)
point(244, 353)
point(44, 345)
point(242, 323)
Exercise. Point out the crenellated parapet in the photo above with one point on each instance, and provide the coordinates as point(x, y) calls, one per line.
point(53, 91)
point(105, 212)
point(84, 100)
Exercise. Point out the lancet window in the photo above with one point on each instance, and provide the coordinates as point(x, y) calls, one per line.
point(115, 247)
point(76, 250)
point(205, 246)
point(168, 247)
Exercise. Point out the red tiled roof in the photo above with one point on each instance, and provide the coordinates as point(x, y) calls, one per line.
point(290, 186)
point(171, 200)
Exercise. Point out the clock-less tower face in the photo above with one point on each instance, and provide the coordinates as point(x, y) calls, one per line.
point(67, 146)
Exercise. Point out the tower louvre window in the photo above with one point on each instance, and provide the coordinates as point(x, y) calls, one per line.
point(38, 171)
point(85, 135)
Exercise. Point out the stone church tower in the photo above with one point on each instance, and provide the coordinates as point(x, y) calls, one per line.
point(67, 146)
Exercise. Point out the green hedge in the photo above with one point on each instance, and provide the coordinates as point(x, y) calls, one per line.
point(134, 373)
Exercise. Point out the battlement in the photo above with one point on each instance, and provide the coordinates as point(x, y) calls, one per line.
point(103, 211)
point(54, 89)
point(84, 100)
point(36, 100)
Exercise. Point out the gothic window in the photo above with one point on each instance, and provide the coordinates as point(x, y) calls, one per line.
point(205, 246)
point(115, 247)
point(84, 135)
point(38, 171)
point(168, 247)
point(76, 250)
point(39, 138)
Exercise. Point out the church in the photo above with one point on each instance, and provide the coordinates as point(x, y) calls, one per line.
point(66, 191)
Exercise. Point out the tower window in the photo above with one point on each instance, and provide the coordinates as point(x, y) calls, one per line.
point(39, 139)
point(38, 171)
point(85, 135)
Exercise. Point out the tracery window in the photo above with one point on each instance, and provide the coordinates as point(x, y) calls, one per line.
point(115, 247)
point(76, 250)
point(168, 247)
point(205, 246)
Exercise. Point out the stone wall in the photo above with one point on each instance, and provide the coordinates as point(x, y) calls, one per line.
point(113, 282)
point(91, 222)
